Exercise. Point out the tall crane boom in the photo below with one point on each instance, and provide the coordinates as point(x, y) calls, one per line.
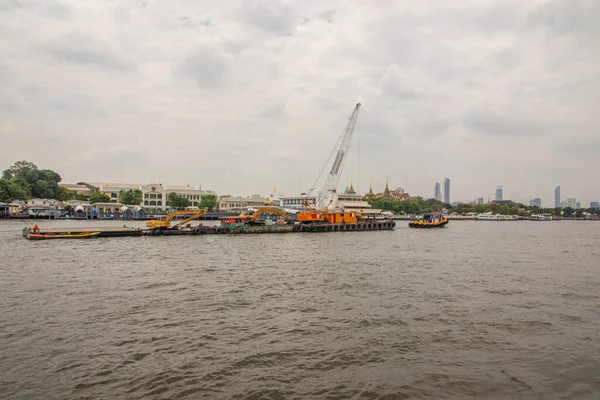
point(327, 195)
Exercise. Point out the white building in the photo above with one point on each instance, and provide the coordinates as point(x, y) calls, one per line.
point(154, 195)
point(296, 202)
point(43, 207)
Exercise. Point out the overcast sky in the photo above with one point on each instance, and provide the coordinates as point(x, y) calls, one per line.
point(244, 96)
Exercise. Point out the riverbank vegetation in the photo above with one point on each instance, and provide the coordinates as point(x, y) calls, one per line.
point(418, 205)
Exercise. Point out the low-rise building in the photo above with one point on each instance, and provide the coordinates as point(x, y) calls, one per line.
point(4, 210)
point(43, 208)
point(237, 204)
point(352, 201)
point(154, 195)
point(16, 207)
point(296, 202)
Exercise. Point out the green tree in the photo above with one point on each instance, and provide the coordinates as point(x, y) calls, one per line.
point(68, 209)
point(24, 180)
point(130, 197)
point(177, 201)
point(13, 190)
point(99, 197)
point(568, 212)
point(65, 194)
point(209, 202)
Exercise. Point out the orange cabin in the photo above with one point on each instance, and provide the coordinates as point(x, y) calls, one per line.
point(308, 217)
point(342, 217)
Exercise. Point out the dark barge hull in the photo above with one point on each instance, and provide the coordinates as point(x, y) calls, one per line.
point(357, 227)
point(428, 225)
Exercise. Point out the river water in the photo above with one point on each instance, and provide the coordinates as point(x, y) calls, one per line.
point(497, 310)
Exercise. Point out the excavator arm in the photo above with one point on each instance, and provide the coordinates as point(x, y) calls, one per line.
point(166, 223)
point(269, 210)
point(193, 217)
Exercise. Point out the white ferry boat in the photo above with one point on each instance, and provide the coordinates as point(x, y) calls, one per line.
point(496, 217)
point(540, 217)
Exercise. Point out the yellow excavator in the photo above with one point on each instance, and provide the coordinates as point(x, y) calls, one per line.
point(166, 223)
point(253, 219)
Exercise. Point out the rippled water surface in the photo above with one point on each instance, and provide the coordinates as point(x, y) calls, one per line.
point(498, 310)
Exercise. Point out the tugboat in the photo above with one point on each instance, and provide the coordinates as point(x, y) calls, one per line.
point(430, 220)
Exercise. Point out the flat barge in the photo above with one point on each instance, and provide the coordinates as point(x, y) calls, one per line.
point(241, 224)
point(103, 232)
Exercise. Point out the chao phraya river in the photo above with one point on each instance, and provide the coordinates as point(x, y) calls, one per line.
point(497, 310)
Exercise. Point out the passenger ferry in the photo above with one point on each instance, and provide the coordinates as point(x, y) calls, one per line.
point(541, 217)
point(497, 217)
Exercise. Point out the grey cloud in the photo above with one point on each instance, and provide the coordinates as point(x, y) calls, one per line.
point(274, 111)
point(51, 8)
point(401, 84)
point(562, 17)
point(504, 124)
point(327, 15)
point(207, 66)
point(83, 49)
point(581, 148)
point(276, 16)
point(79, 104)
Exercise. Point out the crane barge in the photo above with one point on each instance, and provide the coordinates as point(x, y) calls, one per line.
point(325, 215)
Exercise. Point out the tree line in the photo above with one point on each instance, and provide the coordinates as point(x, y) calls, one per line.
point(419, 205)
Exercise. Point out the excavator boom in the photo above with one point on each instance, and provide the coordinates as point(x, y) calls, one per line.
point(189, 219)
point(166, 223)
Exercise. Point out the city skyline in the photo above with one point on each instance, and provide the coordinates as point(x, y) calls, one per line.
point(253, 95)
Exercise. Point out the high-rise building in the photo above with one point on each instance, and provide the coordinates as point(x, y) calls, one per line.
point(595, 204)
point(571, 202)
point(537, 202)
point(578, 205)
point(499, 193)
point(438, 191)
point(446, 190)
point(557, 197)
point(480, 200)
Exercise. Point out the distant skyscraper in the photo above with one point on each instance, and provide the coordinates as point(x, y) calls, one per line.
point(437, 192)
point(480, 200)
point(537, 202)
point(499, 193)
point(578, 205)
point(595, 204)
point(446, 190)
point(571, 202)
point(557, 197)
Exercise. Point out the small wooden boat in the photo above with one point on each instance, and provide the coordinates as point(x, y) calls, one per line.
point(68, 235)
point(430, 220)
